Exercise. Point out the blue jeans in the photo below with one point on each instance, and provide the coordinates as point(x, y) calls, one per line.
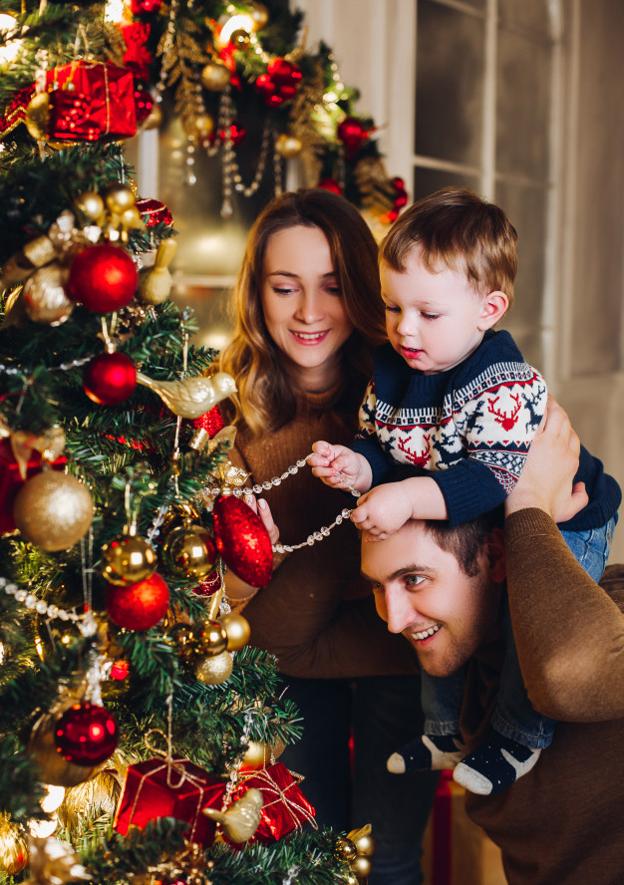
point(380, 714)
point(513, 716)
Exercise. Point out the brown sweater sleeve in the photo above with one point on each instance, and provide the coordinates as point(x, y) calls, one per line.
point(569, 632)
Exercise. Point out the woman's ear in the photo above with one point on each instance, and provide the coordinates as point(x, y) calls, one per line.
point(493, 308)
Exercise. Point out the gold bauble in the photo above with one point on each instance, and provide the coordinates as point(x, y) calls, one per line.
point(215, 77)
point(362, 867)
point(257, 755)
point(346, 849)
point(38, 115)
point(259, 14)
point(212, 638)
point(119, 197)
point(130, 219)
point(237, 630)
point(44, 297)
point(53, 510)
point(288, 145)
point(154, 118)
point(199, 126)
point(240, 39)
point(186, 641)
point(13, 847)
point(53, 769)
point(128, 559)
point(241, 819)
point(90, 205)
point(214, 670)
point(189, 551)
point(363, 840)
point(86, 802)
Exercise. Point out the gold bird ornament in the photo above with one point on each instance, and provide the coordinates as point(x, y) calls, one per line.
point(241, 819)
point(191, 397)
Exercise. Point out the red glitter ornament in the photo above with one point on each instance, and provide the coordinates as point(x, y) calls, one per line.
point(242, 540)
point(280, 83)
point(208, 585)
point(120, 670)
point(212, 421)
point(352, 133)
point(86, 734)
point(138, 606)
point(110, 378)
point(103, 278)
point(138, 7)
point(331, 185)
point(154, 212)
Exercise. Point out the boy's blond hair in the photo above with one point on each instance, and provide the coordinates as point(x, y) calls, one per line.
point(457, 228)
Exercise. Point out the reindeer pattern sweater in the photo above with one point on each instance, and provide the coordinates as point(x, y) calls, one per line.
point(469, 428)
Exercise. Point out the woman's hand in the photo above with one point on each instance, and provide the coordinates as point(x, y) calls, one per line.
point(339, 467)
point(547, 476)
point(261, 507)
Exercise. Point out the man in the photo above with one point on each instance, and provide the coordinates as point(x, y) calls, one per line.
point(561, 823)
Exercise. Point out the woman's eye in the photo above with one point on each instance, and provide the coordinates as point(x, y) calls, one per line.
point(392, 309)
point(334, 290)
point(282, 290)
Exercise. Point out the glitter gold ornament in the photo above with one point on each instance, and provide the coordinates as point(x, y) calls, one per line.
point(44, 296)
point(90, 800)
point(214, 670)
point(90, 205)
point(53, 510)
point(190, 551)
point(257, 755)
point(241, 819)
point(37, 116)
point(156, 282)
point(128, 559)
point(13, 847)
point(119, 197)
point(215, 77)
point(186, 641)
point(237, 630)
point(288, 145)
point(53, 769)
point(212, 638)
point(191, 397)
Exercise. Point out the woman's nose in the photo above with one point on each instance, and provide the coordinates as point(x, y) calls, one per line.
point(310, 308)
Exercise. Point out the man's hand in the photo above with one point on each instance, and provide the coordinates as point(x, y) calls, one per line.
point(339, 467)
point(546, 478)
point(383, 510)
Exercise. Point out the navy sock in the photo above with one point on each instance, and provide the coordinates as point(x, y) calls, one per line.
point(495, 765)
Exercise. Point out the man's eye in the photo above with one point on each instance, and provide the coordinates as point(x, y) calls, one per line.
point(413, 581)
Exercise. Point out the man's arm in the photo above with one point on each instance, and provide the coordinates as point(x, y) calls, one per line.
point(569, 632)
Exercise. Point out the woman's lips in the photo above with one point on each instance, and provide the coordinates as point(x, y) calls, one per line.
point(309, 339)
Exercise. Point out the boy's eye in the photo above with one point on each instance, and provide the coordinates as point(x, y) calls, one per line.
point(430, 316)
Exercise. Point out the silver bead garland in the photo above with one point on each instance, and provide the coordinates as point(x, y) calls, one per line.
point(39, 605)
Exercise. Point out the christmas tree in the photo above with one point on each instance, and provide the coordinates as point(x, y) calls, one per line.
point(139, 733)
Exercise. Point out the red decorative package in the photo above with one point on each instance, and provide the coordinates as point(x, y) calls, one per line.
point(285, 807)
point(90, 100)
point(170, 788)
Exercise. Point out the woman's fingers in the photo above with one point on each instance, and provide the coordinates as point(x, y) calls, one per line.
point(267, 519)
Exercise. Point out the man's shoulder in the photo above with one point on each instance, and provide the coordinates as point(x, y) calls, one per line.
point(612, 582)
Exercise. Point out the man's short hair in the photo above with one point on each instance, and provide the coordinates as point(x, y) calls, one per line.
point(457, 228)
point(465, 541)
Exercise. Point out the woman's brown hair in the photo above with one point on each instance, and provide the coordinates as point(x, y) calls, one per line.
point(266, 399)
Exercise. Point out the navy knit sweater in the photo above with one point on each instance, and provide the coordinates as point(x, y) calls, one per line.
point(469, 428)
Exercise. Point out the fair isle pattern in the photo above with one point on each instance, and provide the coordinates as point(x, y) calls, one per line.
point(491, 419)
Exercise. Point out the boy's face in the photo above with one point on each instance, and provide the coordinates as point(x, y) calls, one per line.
point(434, 320)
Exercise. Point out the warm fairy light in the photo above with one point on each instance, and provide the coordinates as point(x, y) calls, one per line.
point(2, 653)
point(53, 798)
point(41, 829)
point(39, 646)
point(240, 22)
point(114, 10)
point(10, 50)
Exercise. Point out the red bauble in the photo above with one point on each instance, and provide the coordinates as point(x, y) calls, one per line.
point(242, 540)
point(154, 212)
point(285, 75)
point(139, 6)
point(86, 734)
point(212, 421)
point(352, 134)
point(110, 378)
point(120, 670)
point(139, 606)
point(331, 185)
point(103, 278)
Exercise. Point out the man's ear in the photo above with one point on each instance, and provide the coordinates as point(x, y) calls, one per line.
point(496, 555)
point(494, 307)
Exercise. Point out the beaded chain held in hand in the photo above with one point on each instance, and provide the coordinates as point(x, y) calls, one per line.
point(260, 487)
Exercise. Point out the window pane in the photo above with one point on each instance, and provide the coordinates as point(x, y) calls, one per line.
point(531, 14)
point(426, 181)
point(211, 306)
point(449, 101)
point(523, 103)
point(526, 208)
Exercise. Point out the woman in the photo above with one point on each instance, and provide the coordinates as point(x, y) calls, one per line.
point(308, 314)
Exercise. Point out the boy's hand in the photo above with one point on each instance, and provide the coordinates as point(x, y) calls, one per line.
point(383, 510)
point(339, 467)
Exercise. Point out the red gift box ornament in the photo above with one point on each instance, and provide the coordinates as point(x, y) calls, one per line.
point(91, 100)
point(285, 807)
point(170, 788)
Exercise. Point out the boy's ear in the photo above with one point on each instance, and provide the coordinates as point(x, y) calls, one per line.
point(494, 306)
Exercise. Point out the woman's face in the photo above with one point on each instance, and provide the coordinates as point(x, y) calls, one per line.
point(302, 303)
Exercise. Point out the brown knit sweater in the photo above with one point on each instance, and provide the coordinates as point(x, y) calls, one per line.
point(562, 823)
point(316, 615)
